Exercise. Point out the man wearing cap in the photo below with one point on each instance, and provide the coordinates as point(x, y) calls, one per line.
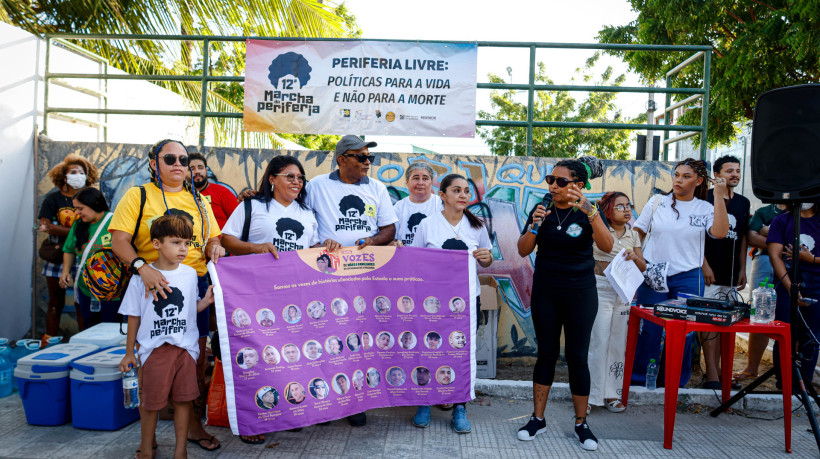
point(352, 208)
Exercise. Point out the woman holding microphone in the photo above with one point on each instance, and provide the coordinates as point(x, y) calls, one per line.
point(563, 294)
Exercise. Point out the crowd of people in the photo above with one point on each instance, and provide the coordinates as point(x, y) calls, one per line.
point(692, 239)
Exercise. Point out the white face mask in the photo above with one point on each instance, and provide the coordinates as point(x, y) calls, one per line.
point(806, 206)
point(75, 181)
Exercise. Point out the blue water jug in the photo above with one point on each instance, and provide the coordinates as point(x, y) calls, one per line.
point(6, 371)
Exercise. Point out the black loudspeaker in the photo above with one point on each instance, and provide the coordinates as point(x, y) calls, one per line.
point(786, 145)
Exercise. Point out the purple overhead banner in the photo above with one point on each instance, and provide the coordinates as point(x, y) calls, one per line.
point(307, 340)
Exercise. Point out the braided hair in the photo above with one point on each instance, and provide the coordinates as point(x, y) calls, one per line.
point(700, 169)
point(153, 153)
point(584, 168)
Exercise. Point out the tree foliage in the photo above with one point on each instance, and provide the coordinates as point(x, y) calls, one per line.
point(598, 107)
point(283, 18)
point(758, 45)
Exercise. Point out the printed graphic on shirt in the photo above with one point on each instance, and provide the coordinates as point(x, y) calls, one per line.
point(807, 242)
point(354, 210)
point(412, 224)
point(173, 211)
point(169, 311)
point(732, 234)
point(698, 220)
point(66, 216)
point(574, 230)
point(290, 231)
point(454, 244)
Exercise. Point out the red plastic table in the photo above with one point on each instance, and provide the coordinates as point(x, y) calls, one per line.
point(676, 331)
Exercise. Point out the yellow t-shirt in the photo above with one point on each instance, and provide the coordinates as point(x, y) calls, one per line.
point(125, 218)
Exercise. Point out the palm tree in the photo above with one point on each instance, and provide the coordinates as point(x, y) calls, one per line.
point(283, 18)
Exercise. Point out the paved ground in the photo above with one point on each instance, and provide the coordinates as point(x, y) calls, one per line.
point(635, 433)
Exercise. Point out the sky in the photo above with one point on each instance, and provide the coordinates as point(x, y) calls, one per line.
point(575, 21)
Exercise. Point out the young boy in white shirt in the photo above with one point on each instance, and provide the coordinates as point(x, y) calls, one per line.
point(164, 325)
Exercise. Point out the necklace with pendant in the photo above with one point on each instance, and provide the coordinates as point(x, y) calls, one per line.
point(560, 221)
point(456, 229)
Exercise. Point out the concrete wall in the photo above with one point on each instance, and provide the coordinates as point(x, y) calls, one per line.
point(504, 189)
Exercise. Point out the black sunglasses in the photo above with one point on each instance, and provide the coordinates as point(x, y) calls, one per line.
point(172, 159)
point(561, 181)
point(361, 158)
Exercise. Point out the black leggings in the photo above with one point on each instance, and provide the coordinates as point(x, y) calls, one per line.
point(575, 311)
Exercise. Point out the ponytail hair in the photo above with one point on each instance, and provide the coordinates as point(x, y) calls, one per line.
point(699, 166)
point(446, 182)
point(583, 169)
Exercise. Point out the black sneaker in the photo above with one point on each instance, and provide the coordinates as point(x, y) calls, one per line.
point(357, 420)
point(533, 428)
point(584, 435)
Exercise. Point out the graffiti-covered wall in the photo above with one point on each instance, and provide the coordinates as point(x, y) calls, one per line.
point(504, 189)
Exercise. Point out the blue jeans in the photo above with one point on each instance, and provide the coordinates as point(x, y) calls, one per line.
point(811, 314)
point(203, 318)
point(761, 269)
point(651, 337)
point(107, 313)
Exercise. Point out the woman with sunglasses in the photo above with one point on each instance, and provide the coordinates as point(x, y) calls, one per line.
point(607, 344)
point(678, 223)
point(169, 193)
point(455, 228)
point(563, 294)
point(279, 218)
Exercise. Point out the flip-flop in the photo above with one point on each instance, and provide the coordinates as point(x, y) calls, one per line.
point(612, 406)
point(258, 441)
point(154, 452)
point(743, 376)
point(209, 440)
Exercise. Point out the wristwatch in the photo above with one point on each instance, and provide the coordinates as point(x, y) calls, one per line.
point(137, 264)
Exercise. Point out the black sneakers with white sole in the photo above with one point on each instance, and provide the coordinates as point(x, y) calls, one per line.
point(533, 428)
point(585, 436)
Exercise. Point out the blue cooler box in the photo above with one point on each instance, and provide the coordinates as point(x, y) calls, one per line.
point(96, 392)
point(104, 335)
point(42, 379)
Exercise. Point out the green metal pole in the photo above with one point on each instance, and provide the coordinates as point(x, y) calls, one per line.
point(530, 100)
point(45, 89)
point(206, 45)
point(666, 117)
point(704, 112)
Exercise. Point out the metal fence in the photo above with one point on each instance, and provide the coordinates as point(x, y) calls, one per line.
point(700, 53)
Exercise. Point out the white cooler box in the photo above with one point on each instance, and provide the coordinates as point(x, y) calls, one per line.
point(104, 335)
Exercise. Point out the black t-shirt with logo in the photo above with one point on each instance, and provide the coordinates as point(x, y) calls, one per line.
point(724, 254)
point(59, 208)
point(564, 256)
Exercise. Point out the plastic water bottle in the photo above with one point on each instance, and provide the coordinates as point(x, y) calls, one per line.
point(759, 304)
point(95, 306)
point(652, 375)
point(772, 297)
point(130, 388)
point(6, 371)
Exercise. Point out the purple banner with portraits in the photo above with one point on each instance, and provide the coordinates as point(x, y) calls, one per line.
point(317, 336)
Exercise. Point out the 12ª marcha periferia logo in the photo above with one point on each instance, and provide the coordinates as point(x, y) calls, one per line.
point(285, 97)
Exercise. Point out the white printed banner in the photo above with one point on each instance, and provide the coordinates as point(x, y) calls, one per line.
point(360, 87)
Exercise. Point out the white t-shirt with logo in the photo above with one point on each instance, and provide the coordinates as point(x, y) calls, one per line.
point(288, 228)
point(411, 214)
point(171, 321)
point(348, 212)
point(436, 232)
point(677, 240)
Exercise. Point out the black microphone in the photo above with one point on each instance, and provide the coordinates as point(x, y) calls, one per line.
point(544, 202)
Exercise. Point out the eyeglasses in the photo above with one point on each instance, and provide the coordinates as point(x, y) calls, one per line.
point(624, 207)
point(293, 178)
point(361, 158)
point(172, 159)
point(561, 181)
